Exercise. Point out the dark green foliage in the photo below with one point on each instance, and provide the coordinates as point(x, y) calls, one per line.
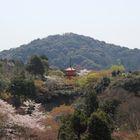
point(73, 126)
point(35, 66)
point(102, 84)
point(110, 107)
point(91, 103)
point(78, 123)
point(2, 85)
point(44, 57)
point(115, 73)
point(44, 60)
point(66, 132)
point(85, 52)
point(98, 127)
point(132, 85)
point(22, 87)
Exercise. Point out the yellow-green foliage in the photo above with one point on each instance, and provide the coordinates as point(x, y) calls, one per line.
point(72, 82)
point(91, 77)
point(94, 76)
point(5, 95)
point(120, 68)
point(56, 73)
point(82, 81)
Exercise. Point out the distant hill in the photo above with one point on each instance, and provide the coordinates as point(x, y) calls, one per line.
point(85, 52)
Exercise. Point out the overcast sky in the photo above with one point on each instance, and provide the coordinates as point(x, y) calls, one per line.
point(114, 21)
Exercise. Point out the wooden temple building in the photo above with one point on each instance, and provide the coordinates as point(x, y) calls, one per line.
point(70, 72)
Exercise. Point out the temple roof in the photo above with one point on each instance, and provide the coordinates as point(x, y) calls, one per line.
point(70, 69)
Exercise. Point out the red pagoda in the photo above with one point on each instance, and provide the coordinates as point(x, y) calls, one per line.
point(70, 72)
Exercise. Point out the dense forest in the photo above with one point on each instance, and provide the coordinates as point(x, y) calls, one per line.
point(38, 102)
point(85, 52)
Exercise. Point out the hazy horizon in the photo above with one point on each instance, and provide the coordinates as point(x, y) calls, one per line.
point(114, 22)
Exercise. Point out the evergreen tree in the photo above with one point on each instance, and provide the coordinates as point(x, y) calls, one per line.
point(66, 132)
point(35, 66)
point(73, 126)
point(20, 87)
point(98, 127)
point(78, 123)
point(91, 103)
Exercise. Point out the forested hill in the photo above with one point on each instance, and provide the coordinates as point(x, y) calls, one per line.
point(85, 52)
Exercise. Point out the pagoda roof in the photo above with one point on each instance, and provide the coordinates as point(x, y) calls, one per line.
point(70, 69)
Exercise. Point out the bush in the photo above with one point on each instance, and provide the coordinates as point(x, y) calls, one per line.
point(35, 66)
point(91, 103)
point(73, 126)
point(22, 88)
point(102, 84)
point(132, 85)
point(110, 107)
point(66, 132)
point(98, 127)
point(2, 85)
point(78, 123)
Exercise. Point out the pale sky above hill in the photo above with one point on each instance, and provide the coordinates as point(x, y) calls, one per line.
point(113, 21)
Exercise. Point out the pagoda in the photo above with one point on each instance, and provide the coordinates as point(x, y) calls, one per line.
point(70, 72)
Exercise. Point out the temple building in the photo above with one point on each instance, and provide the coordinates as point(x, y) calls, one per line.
point(70, 73)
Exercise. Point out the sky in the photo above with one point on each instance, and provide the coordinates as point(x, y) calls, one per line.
point(113, 21)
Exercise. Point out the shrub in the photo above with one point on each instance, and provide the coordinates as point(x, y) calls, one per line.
point(35, 66)
point(91, 103)
point(21, 88)
point(98, 127)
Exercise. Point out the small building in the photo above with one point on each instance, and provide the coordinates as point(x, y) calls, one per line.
point(70, 73)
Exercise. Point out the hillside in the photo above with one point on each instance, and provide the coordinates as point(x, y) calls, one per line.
point(32, 105)
point(85, 52)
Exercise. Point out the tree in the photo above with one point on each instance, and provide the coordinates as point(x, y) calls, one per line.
point(98, 127)
point(78, 123)
point(110, 107)
point(102, 84)
point(91, 102)
point(22, 88)
point(35, 66)
point(44, 60)
point(132, 85)
point(73, 126)
point(120, 68)
point(65, 131)
point(117, 69)
point(2, 85)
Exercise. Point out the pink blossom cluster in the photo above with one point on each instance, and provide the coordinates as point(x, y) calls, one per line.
point(33, 120)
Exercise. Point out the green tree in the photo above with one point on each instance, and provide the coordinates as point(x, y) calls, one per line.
point(98, 127)
point(78, 123)
point(21, 88)
point(102, 84)
point(117, 69)
point(120, 68)
point(91, 103)
point(110, 107)
point(132, 85)
point(73, 126)
point(44, 60)
point(2, 85)
point(66, 132)
point(35, 66)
